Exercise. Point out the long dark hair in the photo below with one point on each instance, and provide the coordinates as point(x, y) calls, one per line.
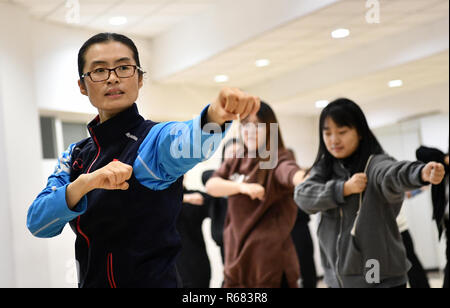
point(345, 112)
point(104, 38)
point(267, 115)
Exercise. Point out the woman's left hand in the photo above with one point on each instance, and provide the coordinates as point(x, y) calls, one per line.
point(433, 173)
point(232, 103)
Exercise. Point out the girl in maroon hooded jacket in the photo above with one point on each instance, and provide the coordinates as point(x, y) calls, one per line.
point(259, 251)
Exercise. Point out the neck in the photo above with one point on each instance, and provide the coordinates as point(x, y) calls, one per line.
point(105, 115)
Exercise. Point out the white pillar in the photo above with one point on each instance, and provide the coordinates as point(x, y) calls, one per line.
point(6, 253)
point(23, 258)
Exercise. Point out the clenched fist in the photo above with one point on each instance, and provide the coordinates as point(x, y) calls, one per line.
point(113, 176)
point(356, 185)
point(433, 173)
point(230, 103)
point(254, 191)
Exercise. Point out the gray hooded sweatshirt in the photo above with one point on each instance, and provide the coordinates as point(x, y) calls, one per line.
point(360, 243)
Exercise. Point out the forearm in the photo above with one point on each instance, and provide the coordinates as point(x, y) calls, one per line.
point(77, 190)
point(49, 212)
point(218, 187)
point(314, 197)
point(299, 178)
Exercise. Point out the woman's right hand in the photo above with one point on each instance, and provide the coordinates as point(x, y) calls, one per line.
point(254, 191)
point(356, 185)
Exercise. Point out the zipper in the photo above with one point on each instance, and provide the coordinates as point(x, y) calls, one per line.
point(79, 217)
point(99, 149)
point(110, 271)
point(341, 215)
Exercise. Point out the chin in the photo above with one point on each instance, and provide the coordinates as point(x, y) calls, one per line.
point(115, 105)
point(340, 155)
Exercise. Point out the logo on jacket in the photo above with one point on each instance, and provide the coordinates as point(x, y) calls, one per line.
point(131, 136)
point(77, 164)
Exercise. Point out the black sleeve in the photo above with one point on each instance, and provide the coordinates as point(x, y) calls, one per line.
point(427, 155)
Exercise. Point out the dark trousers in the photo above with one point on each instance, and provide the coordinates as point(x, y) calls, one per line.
point(417, 277)
point(193, 263)
point(446, 282)
point(305, 252)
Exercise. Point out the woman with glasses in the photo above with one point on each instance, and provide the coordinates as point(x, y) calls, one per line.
point(121, 189)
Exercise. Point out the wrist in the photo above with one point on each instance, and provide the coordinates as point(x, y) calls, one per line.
point(347, 189)
point(86, 183)
point(212, 116)
point(423, 177)
point(241, 188)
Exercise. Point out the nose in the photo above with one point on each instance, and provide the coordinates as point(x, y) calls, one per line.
point(113, 78)
point(335, 140)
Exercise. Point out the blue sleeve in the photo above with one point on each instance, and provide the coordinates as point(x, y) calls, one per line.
point(49, 213)
point(171, 149)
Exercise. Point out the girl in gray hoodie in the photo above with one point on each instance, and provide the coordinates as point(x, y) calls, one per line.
point(358, 191)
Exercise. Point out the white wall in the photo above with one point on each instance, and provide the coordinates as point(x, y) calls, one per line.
point(22, 151)
point(6, 253)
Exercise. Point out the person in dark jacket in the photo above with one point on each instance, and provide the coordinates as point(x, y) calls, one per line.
point(304, 246)
point(439, 194)
point(193, 262)
point(121, 189)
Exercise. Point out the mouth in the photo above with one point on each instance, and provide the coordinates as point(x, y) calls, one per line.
point(114, 93)
point(337, 149)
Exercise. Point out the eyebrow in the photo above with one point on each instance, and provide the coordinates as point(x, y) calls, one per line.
point(115, 62)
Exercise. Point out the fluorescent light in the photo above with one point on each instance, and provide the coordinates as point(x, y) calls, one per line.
point(262, 62)
point(118, 20)
point(221, 78)
point(395, 83)
point(322, 104)
point(340, 33)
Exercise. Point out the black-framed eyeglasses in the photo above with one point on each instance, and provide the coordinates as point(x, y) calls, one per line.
point(103, 73)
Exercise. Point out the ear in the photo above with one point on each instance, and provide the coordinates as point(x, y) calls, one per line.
point(82, 86)
point(140, 81)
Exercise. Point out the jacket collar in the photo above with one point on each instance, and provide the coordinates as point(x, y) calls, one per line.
point(116, 128)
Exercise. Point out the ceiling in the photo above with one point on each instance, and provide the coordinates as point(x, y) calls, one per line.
point(372, 88)
point(146, 18)
point(301, 47)
point(307, 40)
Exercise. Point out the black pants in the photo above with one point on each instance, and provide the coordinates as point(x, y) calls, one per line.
point(305, 252)
point(417, 277)
point(447, 234)
point(192, 262)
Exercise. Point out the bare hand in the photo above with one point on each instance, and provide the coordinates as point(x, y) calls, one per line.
point(254, 191)
point(111, 177)
point(230, 103)
point(356, 185)
point(433, 173)
point(194, 199)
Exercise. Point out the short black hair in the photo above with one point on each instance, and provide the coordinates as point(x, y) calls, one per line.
point(103, 38)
